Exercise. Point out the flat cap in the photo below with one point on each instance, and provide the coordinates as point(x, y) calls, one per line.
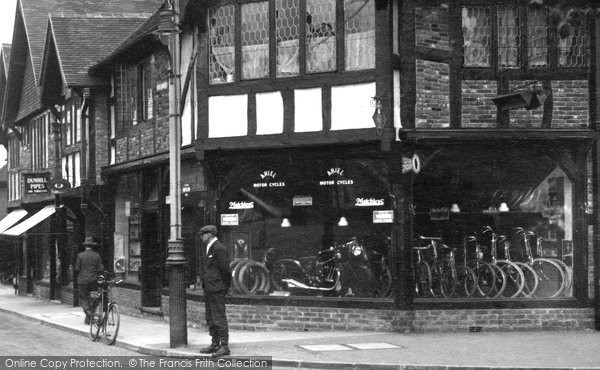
point(208, 229)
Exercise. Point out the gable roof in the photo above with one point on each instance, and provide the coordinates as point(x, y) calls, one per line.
point(31, 21)
point(80, 42)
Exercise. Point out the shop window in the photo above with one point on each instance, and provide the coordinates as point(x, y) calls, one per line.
point(320, 38)
point(71, 169)
point(39, 147)
point(479, 40)
point(316, 228)
point(498, 223)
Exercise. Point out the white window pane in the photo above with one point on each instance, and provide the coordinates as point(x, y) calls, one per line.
point(186, 121)
point(77, 170)
point(351, 106)
point(308, 113)
point(228, 116)
point(269, 113)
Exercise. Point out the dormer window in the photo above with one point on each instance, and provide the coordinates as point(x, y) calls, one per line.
point(307, 44)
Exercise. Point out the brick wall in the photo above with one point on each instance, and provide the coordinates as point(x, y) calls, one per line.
point(260, 317)
point(433, 91)
point(571, 104)
point(478, 110)
point(431, 25)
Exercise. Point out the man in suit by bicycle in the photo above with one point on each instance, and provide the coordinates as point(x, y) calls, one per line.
point(215, 274)
point(88, 267)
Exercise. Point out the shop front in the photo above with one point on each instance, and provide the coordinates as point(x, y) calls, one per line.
point(472, 234)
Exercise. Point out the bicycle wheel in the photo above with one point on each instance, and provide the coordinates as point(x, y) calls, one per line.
point(486, 278)
point(500, 282)
point(515, 279)
point(445, 274)
point(112, 321)
point(466, 282)
point(95, 323)
point(551, 278)
point(423, 280)
point(568, 275)
point(531, 279)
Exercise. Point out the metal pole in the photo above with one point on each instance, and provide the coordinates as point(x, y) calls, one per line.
point(176, 258)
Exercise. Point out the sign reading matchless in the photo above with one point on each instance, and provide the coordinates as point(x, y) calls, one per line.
point(36, 183)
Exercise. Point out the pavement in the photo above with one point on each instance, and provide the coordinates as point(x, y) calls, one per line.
point(339, 349)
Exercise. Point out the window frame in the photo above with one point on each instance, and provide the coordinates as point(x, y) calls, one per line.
point(523, 68)
point(133, 94)
point(273, 77)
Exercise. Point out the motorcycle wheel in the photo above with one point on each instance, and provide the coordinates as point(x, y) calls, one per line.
point(253, 277)
point(384, 282)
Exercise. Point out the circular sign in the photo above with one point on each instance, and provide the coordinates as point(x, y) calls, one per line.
point(59, 186)
point(416, 163)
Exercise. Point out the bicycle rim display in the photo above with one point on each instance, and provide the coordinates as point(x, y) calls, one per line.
point(112, 322)
point(95, 324)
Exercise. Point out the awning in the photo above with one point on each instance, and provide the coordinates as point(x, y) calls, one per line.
point(12, 218)
point(40, 216)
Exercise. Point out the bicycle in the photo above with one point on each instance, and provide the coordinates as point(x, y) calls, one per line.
point(466, 279)
point(531, 278)
point(105, 312)
point(551, 276)
point(515, 279)
point(491, 280)
point(441, 273)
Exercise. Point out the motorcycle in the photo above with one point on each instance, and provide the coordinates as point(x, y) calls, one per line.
point(344, 269)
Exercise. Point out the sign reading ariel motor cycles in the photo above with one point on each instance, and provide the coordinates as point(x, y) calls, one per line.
point(36, 183)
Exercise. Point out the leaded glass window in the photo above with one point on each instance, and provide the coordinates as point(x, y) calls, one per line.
point(509, 36)
point(477, 32)
point(222, 46)
point(320, 35)
point(537, 37)
point(255, 40)
point(360, 34)
point(288, 32)
point(573, 49)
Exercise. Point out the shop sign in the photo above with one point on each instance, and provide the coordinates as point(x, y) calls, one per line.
point(369, 202)
point(383, 217)
point(269, 180)
point(302, 201)
point(229, 219)
point(439, 214)
point(36, 183)
point(411, 164)
point(241, 205)
point(334, 178)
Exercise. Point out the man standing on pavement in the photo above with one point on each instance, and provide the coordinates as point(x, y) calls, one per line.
point(215, 274)
point(88, 267)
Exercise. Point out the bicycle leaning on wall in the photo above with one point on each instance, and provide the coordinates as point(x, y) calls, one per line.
point(105, 311)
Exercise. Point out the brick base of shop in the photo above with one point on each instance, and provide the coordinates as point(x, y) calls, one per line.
point(264, 317)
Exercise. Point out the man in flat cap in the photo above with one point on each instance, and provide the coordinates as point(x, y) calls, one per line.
point(215, 274)
point(88, 267)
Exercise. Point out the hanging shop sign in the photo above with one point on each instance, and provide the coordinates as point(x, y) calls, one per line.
point(411, 164)
point(369, 202)
point(335, 176)
point(269, 180)
point(241, 205)
point(383, 217)
point(36, 183)
point(59, 186)
point(229, 219)
point(302, 201)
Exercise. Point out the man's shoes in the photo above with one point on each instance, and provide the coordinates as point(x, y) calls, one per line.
point(222, 351)
point(210, 349)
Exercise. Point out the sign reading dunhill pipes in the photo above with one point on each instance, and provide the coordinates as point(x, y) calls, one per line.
point(336, 177)
point(36, 183)
point(268, 180)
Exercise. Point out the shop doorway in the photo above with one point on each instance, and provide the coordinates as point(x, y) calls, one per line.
point(152, 260)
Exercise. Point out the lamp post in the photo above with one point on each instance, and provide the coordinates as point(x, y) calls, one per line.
point(167, 31)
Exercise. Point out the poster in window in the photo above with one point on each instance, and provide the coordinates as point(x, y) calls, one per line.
point(119, 262)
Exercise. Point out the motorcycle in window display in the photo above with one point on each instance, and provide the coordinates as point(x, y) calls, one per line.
point(344, 269)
